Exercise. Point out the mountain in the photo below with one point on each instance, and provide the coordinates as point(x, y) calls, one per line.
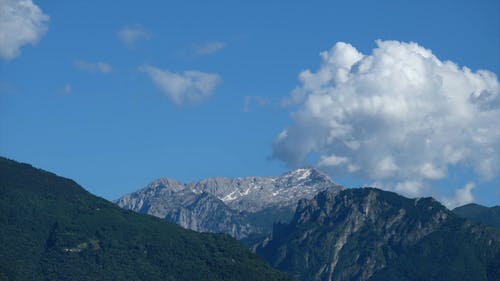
point(478, 213)
point(370, 234)
point(52, 229)
point(241, 207)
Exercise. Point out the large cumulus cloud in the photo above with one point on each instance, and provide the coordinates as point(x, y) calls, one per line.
point(399, 115)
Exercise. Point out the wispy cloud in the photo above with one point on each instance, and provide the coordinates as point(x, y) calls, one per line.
point(188, 87)
point(66, 90)
point(21, 22)
point(209, 48)
point(257, 100)
point(130, 35)
point(95, 67)
point(398, 116)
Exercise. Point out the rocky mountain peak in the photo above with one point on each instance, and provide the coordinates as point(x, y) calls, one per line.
point(369, 204)
point(305, 175)
point(168, 198)
point(167, 183)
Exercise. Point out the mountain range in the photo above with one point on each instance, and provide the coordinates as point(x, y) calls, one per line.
point(370, 234)
point(303, 223)
point(300, 222)
point(241, 207)
point(52, 229)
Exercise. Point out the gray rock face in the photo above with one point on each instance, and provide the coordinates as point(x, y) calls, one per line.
point(240, 207)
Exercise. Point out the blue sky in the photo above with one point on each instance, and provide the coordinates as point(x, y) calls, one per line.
point(80, 97)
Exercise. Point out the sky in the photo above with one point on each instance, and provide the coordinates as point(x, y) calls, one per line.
point(401, 95)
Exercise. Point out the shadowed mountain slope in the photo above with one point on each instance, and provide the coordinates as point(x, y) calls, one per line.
point(52, 229)
point(479, 213)
point(370, 234)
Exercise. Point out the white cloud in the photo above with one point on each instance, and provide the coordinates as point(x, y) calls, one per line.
point(209, 48)
point(462, 196)
point(22, 22)
point(398, 116)
point(259, 100)
point(188, 87)
point(428, 171)
point(132, 34)
point(407, 188)
point(332, 160)
point(99, 66)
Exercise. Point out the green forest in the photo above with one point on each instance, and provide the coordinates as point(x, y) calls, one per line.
point(52, 229)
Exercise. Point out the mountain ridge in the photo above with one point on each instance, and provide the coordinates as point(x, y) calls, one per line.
point(370, 234)
point(240, 200)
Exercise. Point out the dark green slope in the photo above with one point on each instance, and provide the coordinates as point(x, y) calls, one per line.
point(457, 251)
point(478, 213)
point(370, 234)
point(52, 229)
